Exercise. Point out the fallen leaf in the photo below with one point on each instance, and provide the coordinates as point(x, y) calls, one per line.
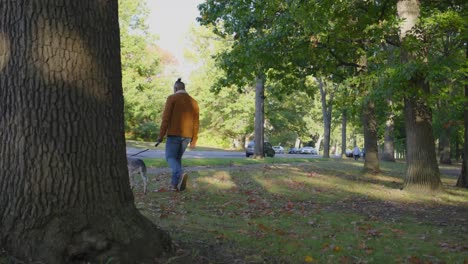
point(373, 232)
point(263, 227)
point(397, 231)
point(337, 249)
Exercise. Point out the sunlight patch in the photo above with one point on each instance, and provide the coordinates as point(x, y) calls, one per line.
point(61, 55)
point(220, 180)
point(4, 50)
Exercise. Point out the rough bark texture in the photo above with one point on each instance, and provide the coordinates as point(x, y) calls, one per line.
point(64, 188)
point(422, 171)
point(343, 133)
point(371, 162)
point(259, 117)
point(389, 143)
point(326, 113)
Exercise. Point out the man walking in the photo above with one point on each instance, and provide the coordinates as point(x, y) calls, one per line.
point(180, 123)
point(356, 152)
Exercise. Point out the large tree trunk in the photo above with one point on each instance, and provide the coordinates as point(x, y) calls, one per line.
point(64, 187)
point(327, 114)
point(259, 116)
point(343, 133)
point(371, 162)
point(422, 171)
point(389, 143)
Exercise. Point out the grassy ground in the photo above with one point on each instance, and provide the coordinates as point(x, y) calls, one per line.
point(316, 211)
point(150, 145)
point(304, 211)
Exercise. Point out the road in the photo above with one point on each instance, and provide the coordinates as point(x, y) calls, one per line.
point(194, 154)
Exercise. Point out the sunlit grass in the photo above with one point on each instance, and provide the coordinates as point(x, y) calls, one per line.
point(327, 211)
point(161, 163)
point(162, 145)
point(219, 180)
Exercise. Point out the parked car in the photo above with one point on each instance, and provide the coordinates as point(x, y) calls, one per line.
point(309, 150)
point(268, 150)
point(294, 151)
point(278, 149)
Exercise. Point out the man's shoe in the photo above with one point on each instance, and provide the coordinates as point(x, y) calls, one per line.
point(174, 188)
point(183, 182)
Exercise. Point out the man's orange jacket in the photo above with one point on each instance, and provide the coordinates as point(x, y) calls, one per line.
point(180, 117)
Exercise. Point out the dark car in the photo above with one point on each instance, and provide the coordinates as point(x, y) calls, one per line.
point(268, 150)
point(349, 153)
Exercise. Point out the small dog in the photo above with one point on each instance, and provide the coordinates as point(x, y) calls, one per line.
point(136, 165)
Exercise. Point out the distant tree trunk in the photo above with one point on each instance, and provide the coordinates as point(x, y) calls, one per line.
point(389, 143)
point(463, 178)
point(64, 188)
point(343, 133)
point(444, 146)
point(422, 171)
point(326, 115)
point(371, 162)
point(319, 142)
point(243, 139)
point(259, 116)
point(297, 144)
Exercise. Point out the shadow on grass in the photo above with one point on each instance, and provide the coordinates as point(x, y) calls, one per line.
point(324, 211)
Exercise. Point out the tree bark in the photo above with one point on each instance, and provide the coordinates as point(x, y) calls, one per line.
point(327, 114)
point(64, 189)
point(422, 172)
point(371, 162)
point(343, 133)
point(389, 143)
point(259, 116)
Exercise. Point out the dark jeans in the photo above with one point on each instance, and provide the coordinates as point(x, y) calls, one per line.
point(175, 148)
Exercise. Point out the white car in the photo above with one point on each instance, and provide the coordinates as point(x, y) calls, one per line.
point(309, 150)
point(278, 149)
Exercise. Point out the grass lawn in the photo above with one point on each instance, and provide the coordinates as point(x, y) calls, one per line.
point(306, 211)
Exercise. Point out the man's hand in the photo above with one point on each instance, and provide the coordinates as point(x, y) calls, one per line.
point(192, 145)
point(158, 142)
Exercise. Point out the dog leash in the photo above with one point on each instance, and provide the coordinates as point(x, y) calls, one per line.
point(157, 143)
point(138, 153)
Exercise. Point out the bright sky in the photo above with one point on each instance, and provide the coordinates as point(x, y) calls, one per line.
point(170, 20)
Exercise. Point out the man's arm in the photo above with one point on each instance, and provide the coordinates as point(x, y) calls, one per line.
point(165, 119)
point(196, 125)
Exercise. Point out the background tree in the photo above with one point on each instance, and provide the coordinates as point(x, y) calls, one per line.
point(144, 85)
point(418, 41)
point(65, 194)
point(258, 51)
point(227, 118)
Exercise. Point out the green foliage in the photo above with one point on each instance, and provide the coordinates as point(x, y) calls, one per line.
point(354, 44)
point(143, 95)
